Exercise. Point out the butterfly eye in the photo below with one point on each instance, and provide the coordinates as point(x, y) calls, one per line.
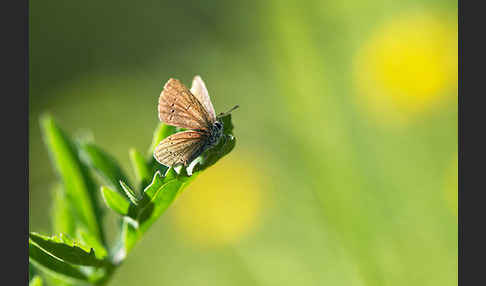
point(218, 125)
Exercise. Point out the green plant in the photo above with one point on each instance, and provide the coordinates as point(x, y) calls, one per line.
point(79, 253)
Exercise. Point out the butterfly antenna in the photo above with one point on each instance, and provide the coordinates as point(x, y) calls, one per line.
point(229, 111)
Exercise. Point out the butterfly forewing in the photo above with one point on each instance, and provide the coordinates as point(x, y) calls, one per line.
point(200, 91)
point(180, 148)
point(179, 107)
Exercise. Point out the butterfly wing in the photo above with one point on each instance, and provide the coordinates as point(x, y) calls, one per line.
point(180, 148)
point(179, 107)
point(201, 93)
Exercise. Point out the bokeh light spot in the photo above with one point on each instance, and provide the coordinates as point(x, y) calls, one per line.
point(408, 66)
point(222, 205)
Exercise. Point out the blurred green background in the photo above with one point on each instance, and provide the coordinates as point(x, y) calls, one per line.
point(345, 172)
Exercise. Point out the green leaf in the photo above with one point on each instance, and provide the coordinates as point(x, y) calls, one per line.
point(139, 164)
point(36, 281)
point(53, 266)
point(156, 183)
point(104, 164)
point(78, 185)
point(157, 198)
point(64, 248)
point(134, 198)
point(32, 271)
point(227, 124)
point(62, 216)
point(59, 281)
point(115, 201)
point(90, 240)
point(130, 236)
point(163, 197)
point(170, 174)
point(211, 156)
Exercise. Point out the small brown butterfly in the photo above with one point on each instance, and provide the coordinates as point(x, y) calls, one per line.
point(189, 109)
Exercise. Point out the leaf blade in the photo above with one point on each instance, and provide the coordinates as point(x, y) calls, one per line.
point(88, 239)
point(164, 196)
point(140, 166)
point(54, 266)
point(156, 199)
point(66, 249)
point(62, 216)
point(134, 198)
point(36, 281)
point(76, 181)
point(115, 201)
point(103, 164)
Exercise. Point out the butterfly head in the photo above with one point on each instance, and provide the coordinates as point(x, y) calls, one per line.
point(216, 132)
point(218, 125)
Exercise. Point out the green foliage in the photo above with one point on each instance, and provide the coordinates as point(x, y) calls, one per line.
point(66, 249)
point(36, 281)
point(115, 201)
point(62, 217)
point(105, 165)
point(76, 180)
point(134, 198)
point(53, 266)
point(79, 253)
point(140, 167)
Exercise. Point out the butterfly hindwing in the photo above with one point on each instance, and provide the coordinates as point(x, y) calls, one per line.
point(180, 148)
point(179, 107)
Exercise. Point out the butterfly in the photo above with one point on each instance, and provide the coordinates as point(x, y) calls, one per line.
point(189, 109)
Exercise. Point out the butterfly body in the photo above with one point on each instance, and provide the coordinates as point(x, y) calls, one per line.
point(188, 109)
point(211, 139)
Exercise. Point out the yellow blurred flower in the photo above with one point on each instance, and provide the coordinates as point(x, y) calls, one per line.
point(222, 205)
point(408, 66)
